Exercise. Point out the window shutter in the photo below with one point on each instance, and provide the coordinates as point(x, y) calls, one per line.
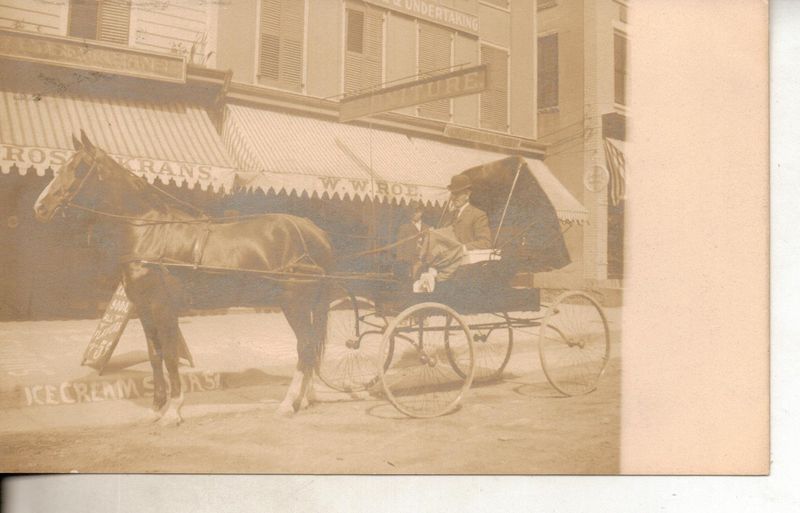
point(620, 68)
point(363, 69)
point(548, 72)
point(281, 42)
point(494, 100)
point(435, 45)
point(355, 31)
point(114, 21)
point(83, 18)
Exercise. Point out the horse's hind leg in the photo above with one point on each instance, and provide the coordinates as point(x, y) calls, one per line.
point(298, 314)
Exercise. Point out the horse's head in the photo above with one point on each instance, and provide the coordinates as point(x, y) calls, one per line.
point(69, 181)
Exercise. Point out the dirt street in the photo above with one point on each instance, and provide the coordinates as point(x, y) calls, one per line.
point(519, 426)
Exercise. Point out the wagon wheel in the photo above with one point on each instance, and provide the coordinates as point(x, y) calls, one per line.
point(574, 343)
point(352, 341)
point(493, 339)
point(416, 374)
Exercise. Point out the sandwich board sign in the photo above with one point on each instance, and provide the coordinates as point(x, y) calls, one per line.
point(108, 332)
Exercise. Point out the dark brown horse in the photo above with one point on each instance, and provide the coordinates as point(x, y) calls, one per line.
point(275, 259)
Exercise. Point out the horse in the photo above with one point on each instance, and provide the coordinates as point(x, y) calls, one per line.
point(273, 259)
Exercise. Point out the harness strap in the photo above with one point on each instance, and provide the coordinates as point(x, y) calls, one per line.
point(200, 245)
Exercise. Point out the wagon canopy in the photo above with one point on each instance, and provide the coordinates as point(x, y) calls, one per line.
point(511, 193)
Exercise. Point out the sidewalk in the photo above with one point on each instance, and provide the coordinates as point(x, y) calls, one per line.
point(40, 362)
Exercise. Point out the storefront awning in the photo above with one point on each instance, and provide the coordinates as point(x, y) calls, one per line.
point(282, 152)
point(162, 142)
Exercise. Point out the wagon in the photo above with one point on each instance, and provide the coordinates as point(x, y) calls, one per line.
point(423, 351)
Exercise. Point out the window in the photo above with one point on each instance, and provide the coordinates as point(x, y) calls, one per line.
point(494, 100)
point(104, 20)
point(281, 37)
point(620, 68)
point(363, 60)
point(547, 80)
point(435, 47)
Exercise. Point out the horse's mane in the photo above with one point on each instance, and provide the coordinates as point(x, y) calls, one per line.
point(152, 195)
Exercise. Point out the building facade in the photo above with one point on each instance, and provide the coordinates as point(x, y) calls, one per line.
point(258, 85)
point(582, 114)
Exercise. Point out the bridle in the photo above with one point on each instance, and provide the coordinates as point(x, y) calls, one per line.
point(67, 200)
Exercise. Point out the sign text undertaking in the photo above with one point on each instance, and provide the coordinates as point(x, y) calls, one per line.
point(431, 10)
point(457, 83)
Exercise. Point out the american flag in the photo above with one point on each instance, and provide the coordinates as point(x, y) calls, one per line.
point(615, 162)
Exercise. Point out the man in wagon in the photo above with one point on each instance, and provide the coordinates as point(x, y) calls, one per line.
point(463, 227)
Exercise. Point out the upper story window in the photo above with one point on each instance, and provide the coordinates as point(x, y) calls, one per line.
point(280, 43)
point(434, 57)
point(547, 76)
point(105, 20)
point(363, 59)
point(620, 68)
point(494, 100)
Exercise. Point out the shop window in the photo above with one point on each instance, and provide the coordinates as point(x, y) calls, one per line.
point(281, 38)
point(620, 68)
point(547, 94)
point(104, 20)
point(363, 60)
point(435, 49)
point(494, 100)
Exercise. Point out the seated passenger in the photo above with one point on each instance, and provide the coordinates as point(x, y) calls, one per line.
point(409, 235)
point(470, 224)
point(463, 228)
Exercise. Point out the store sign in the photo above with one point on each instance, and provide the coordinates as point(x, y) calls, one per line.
point(481, 136)
point(457, 83)
point(90, 55)
point(24, 157)
point(430, 10)
point(367, 188)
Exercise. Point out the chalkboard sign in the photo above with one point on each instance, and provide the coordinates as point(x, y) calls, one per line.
point(109, 331)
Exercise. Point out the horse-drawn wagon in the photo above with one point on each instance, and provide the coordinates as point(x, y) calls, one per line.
point(421, 350)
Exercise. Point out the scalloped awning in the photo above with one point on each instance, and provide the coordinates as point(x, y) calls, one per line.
point(283, 152)
point(160, 141)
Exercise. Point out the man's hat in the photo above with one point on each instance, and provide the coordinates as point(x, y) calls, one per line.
point(460, 183)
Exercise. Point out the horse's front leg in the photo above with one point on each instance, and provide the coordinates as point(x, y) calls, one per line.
point(145, 289)
point(165, 315)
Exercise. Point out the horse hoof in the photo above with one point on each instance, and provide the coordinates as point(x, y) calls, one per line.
point(285, 410)
point(153, 416)
point(170, 419)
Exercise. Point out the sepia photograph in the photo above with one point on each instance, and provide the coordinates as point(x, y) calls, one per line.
point(312, 236)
